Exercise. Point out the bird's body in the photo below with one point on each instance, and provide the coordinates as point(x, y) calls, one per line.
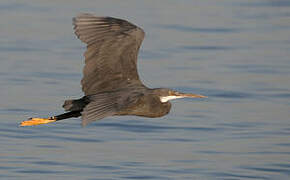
point(110, 82)
point(129, 101)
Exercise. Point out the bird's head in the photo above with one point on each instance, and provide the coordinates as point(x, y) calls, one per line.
point(168, 94)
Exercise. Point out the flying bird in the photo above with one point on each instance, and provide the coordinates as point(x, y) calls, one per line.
point(110, 82)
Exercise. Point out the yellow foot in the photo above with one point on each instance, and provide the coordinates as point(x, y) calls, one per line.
point(37, 121)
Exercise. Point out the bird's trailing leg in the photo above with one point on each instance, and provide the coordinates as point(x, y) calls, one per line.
point(38, 121)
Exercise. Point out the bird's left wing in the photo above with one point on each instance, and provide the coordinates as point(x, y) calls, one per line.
point(112, 50)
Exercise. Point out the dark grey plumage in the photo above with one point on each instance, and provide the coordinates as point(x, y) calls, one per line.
point(110, 78)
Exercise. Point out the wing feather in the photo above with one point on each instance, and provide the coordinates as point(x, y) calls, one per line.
point(108, 103)
point(112, 50)
point(100, 106)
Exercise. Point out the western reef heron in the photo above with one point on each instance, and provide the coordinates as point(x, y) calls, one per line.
point(110, 82)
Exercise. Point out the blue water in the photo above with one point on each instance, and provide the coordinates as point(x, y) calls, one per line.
point(234, 52)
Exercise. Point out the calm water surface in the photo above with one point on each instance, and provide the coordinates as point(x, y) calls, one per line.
point(235, 52)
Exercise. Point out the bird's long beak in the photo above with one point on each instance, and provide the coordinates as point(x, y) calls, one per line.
point(177, 95)
point(189, 95)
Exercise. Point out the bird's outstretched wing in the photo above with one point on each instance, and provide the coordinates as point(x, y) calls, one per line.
point(112, 50)
point(108, 104)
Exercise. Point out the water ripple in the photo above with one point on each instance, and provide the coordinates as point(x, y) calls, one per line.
point(260, 69)
point(261, 4)
point(283, 144)
point(145, 128)
point(40, 171)
point(232, 95)
point(235, 175)
point(55, 75)
point(143, 177)
point(206, 48)
point(23, 6)
point(20, 110)
point(184, 28)
point(20, 49)
point(267, 169)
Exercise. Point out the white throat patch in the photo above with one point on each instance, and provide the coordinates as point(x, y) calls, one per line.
point(167, 98)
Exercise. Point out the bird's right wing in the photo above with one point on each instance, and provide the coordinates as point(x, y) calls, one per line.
point(106, 104)
point(112, 50)
point(100, 106)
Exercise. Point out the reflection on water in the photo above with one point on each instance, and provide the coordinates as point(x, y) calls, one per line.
point(235, 52)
